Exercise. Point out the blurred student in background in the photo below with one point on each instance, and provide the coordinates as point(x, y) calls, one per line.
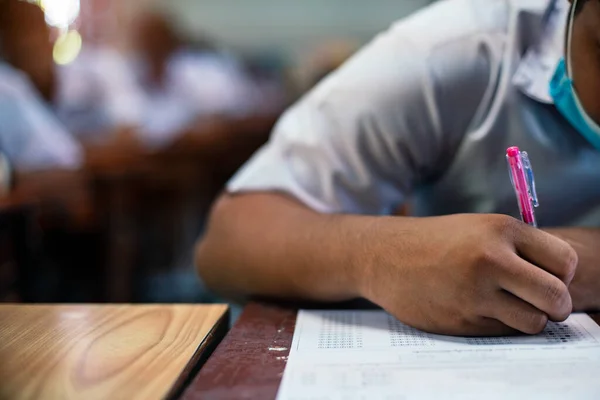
point(184, 84)
point(28, 85)
point(33, 139)
point(93, 97)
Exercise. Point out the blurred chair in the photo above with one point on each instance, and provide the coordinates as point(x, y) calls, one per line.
point(19, 250)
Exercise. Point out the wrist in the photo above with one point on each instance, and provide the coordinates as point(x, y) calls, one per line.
point(386, 247)
point(350, 252)
point(585, 287)
point(362, 255)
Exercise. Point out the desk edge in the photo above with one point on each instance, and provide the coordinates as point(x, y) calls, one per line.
point(203, 352)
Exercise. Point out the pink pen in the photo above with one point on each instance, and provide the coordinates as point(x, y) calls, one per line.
point(521, 176)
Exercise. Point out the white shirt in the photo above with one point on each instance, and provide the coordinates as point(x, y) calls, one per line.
point(427, 110)
point(196, 85)
point(30, 135)
point(97, 94)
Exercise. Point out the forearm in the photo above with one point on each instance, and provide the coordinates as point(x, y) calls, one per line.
point(269, 245)
point(585, 288)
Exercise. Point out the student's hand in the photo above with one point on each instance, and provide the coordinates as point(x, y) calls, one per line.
point(470, 275)
point(585, 287)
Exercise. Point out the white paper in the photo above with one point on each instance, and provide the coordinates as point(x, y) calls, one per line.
point(369, 355)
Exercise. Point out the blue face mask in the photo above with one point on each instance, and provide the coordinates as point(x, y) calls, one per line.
point(566, 99)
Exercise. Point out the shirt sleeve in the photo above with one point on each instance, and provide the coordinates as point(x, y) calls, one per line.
point(212, 85)
point(390, 119)
point(123, 101)
point(98, 94)
point(31, 137)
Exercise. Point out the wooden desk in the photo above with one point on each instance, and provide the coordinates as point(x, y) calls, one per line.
point(104, 352)
point(249, 363)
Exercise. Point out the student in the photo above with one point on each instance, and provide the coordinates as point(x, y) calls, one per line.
point(183, 84)
point(41, 108)
point(427, 110)
point(93, 98)
point(98, 98)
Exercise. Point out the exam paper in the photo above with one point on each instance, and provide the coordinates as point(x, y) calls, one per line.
point(360, 355)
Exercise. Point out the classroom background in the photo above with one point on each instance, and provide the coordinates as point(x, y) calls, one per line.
point(192, 88)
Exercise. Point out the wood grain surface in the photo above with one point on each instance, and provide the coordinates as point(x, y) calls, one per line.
point(249, 362)
point(103, 352)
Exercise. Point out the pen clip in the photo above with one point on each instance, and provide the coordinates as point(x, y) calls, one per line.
point(530, 179)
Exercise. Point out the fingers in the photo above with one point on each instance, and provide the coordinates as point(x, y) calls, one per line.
point(486, 327)
point(547, 252)
point(518, 314)
point(537, 287)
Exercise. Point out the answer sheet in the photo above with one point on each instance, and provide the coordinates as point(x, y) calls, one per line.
point(369, 355)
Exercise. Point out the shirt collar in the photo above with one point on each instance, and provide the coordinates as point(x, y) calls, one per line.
point(538, 65)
